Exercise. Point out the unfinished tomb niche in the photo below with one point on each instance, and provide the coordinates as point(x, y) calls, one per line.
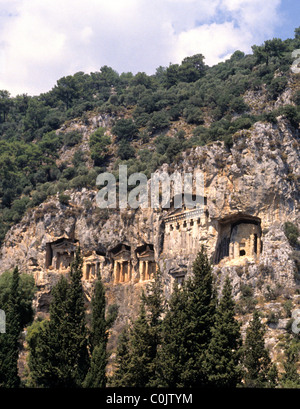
point(60, 254)
point(146, 262)
point(239, 236)
point(122, 267)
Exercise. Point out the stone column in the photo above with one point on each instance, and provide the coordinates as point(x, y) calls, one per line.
point(115, 272)
point(147, 270)
point(251, 252)
point(236, 250)
point(141, 265)
point(258, 246)
point(93, 271)
point(231, 254)
point(121, 272)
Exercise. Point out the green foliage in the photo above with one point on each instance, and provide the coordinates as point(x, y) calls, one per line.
point(15, 300)
point(292, 233)
point(137, 355)
point(99, 143)
point(58, 350)
point(125, 150)
point(257, 362)
point(64, 199)
point(290, 377)
point(223, 355)
point(125, 129)
point(187, 329)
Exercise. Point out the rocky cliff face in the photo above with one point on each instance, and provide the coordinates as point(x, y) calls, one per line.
point(250, 191)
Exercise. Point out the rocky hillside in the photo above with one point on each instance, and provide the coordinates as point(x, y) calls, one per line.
point(247, 149)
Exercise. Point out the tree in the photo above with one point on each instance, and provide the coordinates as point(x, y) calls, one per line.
point(257, 362)
point(224, 350)
point(96, 377)
point(58, 348)
point(122, 375)
point(9, 341)
point(271, 48)
point(192, 68)
point(290, 377)
point(125, 129)
point(200, 313)
point(5, 105)
point(155, 305)
point(137, 360)
point(66, 90)
point(173, 354)
point(187, 329)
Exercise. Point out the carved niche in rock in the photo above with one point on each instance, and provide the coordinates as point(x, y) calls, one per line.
point(239, 236)
point(92, 266)
point(147, 264)
point(60, 254)
point(122, 267)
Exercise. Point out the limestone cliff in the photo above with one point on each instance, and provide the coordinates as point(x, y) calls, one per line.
point(250, 191)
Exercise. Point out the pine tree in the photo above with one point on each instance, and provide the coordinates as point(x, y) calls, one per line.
point(96, 377)
point(256, 357)
point(9, 341)
point(224, 353)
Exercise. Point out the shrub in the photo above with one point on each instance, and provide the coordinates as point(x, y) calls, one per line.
point(72, 138)
point(64, 199)
point(291, 232)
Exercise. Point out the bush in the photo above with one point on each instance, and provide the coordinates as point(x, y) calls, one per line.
point(158, 122)
point(64, 199)
point(72, 138)
point(292, 233)
point(125, 150)
point(125, 129)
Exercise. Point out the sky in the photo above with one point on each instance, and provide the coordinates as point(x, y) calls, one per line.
point(42, 41)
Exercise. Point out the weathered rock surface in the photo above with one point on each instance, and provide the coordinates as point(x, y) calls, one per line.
point(255, 183)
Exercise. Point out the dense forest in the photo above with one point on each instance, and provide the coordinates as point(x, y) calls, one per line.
point(208, 101)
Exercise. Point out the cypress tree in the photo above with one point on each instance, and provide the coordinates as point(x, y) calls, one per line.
point(136, 362)
point(122, 376)
point(187, 329)
point(9, 341)
point(224, 352)
point(155, 304)
point(58, 352)
point(76, 331)
point(96, 377)
point(173, 354)
point(140, 351)
point(256, 357)
point(291, 377)
point(200, 309)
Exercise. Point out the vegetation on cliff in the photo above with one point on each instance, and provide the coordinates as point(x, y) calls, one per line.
point(199, 104)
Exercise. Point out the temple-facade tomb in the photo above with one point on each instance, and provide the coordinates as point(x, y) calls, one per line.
point(146, 262)
point(92, 266)
point(122, 266)
point(60, 254)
